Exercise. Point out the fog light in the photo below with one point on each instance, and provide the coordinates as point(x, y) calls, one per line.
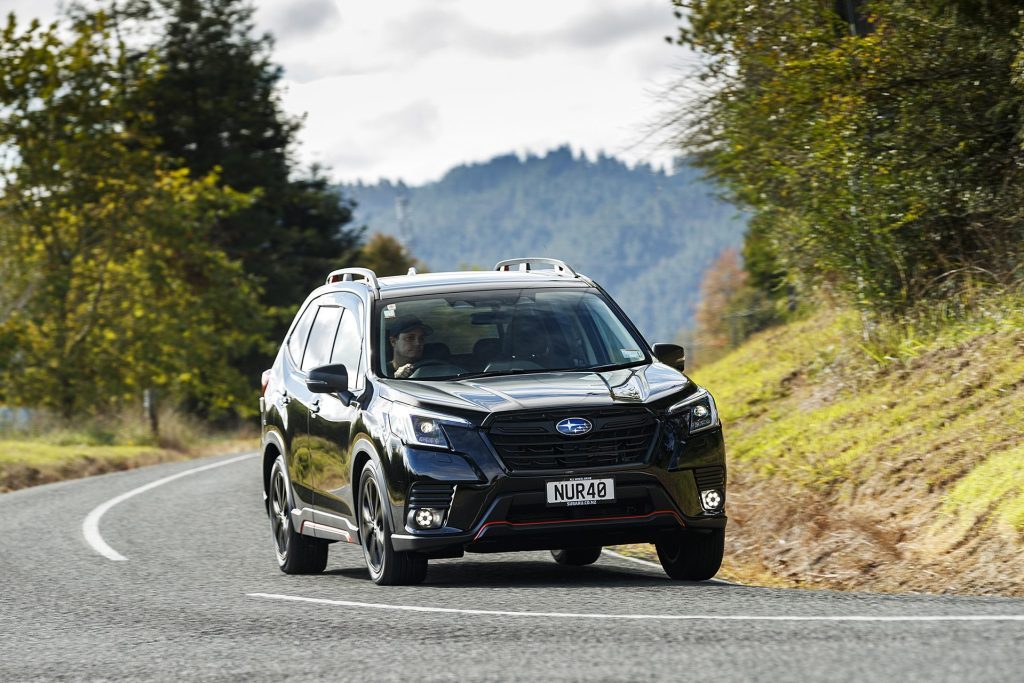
point(427, 518)
point(711, 500)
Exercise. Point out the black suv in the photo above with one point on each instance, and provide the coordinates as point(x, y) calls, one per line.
point(424, 416)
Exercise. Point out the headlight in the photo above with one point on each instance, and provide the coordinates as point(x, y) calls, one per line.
point(700, 410)
point(418, 427)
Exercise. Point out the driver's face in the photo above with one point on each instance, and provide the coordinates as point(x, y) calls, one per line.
point(408, 345)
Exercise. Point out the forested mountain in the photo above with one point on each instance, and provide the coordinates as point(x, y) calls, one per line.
point(647, 236)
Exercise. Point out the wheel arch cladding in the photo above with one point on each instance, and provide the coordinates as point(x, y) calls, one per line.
point(270, 454)
point(358, 463)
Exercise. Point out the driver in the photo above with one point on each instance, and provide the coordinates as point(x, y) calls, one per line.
point(407, 336)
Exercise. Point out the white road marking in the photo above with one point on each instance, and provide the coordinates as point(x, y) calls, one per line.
point(619, 556)
point(91, 524)
point(655, 565)
point(656, 617)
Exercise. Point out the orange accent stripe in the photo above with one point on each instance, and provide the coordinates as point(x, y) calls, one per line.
point(579, 521)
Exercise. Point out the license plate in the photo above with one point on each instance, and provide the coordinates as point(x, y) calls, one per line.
point(580, 491)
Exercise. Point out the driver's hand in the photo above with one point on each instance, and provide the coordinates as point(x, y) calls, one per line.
point(404, 371)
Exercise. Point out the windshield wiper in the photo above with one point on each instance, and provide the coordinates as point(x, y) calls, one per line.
point(497, 373)
point(523, 371)
point(597, 368)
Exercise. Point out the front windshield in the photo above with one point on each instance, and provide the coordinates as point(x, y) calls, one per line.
point(478, 334)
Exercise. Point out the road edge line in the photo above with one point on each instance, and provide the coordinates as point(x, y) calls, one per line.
point(620, 556)
point(655, 565)
point(638, 617)
point(91, 523)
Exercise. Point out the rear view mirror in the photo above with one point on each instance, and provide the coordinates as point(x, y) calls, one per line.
point(490, 318)
point(328, 379)
point(671, 355)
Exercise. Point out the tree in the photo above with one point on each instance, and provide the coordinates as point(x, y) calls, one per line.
point(385, 255)
point(888, 162)
point(721, 283)
point(120, 286)
point(216, 106)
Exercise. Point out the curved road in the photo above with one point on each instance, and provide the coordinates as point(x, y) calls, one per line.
point(197, 596)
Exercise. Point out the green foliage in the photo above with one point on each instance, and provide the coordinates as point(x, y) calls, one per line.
point(645, 235)
point(887, 163)
point(216, 107)
point(760, 262)
point(994, 489)
point(119, 288)
point(385, 255)
point(936, 411)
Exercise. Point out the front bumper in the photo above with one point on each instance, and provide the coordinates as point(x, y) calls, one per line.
point(493, 509)
point(517, 517)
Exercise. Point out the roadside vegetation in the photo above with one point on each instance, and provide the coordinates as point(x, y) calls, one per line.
point(874, 414)
point(156, 231)
point(39, 448)
point(889, 461)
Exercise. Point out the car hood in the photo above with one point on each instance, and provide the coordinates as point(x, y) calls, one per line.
point(631, 386)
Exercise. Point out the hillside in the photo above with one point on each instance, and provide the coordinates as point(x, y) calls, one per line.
point(859, 467)
point(645, 235)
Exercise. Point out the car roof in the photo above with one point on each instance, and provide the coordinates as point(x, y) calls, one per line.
point(429, 283)
point(515, 273)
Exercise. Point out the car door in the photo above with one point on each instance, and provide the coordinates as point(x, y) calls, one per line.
point(330, 428)
point(296, 400)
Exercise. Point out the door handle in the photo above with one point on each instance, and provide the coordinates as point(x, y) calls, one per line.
point(285, 398)
point(314, 407)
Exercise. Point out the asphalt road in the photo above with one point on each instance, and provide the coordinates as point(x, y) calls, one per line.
point(199, 597)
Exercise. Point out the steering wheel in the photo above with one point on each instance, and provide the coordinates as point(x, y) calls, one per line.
point(514, 364)
point(424, 363)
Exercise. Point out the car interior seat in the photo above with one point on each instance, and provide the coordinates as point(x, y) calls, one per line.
point(437, 351)
point(486, 350)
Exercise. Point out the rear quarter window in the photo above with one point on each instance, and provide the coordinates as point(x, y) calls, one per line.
point(300, 332)
point(321, 338)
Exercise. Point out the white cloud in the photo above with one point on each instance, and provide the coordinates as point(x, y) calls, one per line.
point(299, 19)
point(410, 88)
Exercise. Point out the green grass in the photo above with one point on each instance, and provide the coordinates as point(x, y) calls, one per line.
point(934, 407)
point(40, 454)
point(994, 490)
point(50, 449)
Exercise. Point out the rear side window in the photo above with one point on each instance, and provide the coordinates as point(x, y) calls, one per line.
point(297, 340)
point(321, 338)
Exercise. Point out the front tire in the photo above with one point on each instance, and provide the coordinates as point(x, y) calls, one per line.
point(692, 555)
point(296, 554)
point(577, 557)
point(386, 567)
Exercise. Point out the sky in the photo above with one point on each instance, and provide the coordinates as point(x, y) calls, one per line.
point(406, 89)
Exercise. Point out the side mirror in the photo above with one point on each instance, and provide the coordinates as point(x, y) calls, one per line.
point(671, 355)
point(328, 379)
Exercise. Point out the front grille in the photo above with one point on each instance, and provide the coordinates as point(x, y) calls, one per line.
point(710, 478)
point(431, 495)
point(529, 441)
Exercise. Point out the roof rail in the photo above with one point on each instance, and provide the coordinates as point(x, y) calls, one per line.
point(560, 267)
point(348, 275)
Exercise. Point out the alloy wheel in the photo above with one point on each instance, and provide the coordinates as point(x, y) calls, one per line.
point(371, 524)
point(279, 512)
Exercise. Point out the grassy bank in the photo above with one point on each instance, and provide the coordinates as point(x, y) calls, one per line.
point(885, 461)
point(47, 449)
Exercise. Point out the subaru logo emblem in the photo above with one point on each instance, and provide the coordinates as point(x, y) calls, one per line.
point(573, 426)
